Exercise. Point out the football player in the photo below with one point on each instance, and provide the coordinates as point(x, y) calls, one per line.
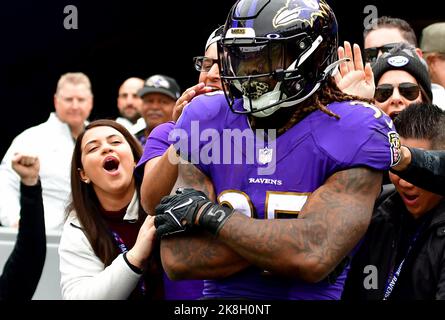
point(284, 220)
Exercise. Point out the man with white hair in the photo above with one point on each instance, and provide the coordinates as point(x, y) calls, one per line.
point(53, 143)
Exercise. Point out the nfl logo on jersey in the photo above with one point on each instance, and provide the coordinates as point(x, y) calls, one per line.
point(265, 155)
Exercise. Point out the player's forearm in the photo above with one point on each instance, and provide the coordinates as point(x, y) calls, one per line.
point(297, 249)
point(283, 247)
point(199, 256)
point(190, 176)
point(334, 219)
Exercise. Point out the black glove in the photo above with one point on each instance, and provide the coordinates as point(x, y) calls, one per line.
point(177, 213)
point(214, 216)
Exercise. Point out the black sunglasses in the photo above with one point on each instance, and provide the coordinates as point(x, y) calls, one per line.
point(372, 53)
point(204, 64)
point(407, 89)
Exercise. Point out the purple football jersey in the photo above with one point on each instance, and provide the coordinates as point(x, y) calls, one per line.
point(268, 178)
point(156, 145)
point(182, 289)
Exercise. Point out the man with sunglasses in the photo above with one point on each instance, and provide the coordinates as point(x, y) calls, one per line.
point(385, 35)
point(401, 79)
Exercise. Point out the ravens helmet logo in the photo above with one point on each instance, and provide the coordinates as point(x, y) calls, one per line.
point(299, 10)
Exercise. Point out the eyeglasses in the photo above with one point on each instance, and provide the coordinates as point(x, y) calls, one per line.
point(408, 90)
point(372, 53)
point(204, 64)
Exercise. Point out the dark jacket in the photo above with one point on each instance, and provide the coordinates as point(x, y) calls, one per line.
point(22, 270)
point(384, 246)
point(426, 170)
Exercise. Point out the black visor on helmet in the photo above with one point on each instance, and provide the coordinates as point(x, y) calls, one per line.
point(252, 67)
point(276, 54)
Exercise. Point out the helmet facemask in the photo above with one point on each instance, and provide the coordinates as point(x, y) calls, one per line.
point(267, 72)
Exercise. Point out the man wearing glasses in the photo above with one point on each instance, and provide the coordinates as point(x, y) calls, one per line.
point(401, 79)
point(385, 35)
point(207, 65)
point(209, 79)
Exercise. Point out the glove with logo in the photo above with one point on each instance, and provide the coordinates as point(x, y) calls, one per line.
point(177, 213)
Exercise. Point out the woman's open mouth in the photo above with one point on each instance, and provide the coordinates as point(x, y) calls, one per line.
point(394, 114)
point(111, 164)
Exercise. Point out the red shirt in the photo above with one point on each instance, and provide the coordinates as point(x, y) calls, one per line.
point(126, 229)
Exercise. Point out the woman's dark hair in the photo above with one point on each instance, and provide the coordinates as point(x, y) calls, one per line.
point(85, 202)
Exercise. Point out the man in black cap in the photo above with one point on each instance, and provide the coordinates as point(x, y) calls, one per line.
point(401, 79)
point(159, 95)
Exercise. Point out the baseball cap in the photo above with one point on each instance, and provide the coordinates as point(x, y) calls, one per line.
point(403, 58)
point(161, 84)
point(433, 38)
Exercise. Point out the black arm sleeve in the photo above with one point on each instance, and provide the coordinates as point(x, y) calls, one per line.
point(426, 170)
point(23, 269)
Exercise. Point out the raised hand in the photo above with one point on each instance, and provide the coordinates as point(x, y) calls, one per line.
point(27, 167)
point(187, 96)
point(353, 78)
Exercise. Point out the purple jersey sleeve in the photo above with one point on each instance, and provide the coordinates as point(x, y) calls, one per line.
point(156, 145)
point(205, 113)
point(364, 136)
